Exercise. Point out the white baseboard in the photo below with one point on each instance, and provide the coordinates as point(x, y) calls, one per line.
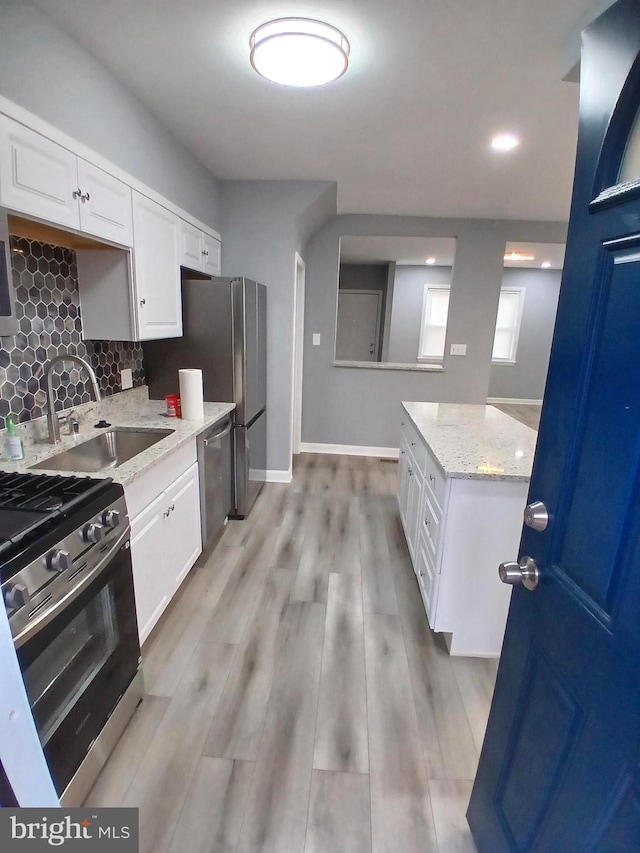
point(516, 401)
point(279, 476)
point(350, 450)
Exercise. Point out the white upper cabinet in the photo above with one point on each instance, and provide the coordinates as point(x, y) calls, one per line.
point(156, 264)
point(198, 250)
point(44, 180)
point(211, 253)
point(37, 176)
point(190, 246)
point(105, 205)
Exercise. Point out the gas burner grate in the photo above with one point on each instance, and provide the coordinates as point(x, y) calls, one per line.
point(28, 501)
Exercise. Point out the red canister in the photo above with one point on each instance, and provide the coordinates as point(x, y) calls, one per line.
point(173, 406)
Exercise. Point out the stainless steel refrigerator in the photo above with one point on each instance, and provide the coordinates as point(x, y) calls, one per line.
point(225, 335)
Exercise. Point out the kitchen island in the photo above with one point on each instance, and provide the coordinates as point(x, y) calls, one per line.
point(462, 487)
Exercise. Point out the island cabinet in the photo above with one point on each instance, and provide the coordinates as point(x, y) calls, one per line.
point(462, 487)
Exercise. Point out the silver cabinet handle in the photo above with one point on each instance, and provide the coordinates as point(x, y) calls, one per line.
point(143, 302)
point(168, 512)
point(76, 194)
point(85, 197)
point(432, 478)
point(427, 522)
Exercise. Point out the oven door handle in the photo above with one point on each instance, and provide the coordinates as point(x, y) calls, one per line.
point(49, 614)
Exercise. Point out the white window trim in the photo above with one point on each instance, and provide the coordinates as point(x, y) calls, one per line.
point(516, 336)
point(426, 304)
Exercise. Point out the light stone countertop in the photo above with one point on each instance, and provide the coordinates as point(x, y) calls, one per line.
point(475, 442)
point(128, 409)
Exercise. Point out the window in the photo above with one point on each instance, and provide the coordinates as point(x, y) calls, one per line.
point(435, 308)
point(505, 342)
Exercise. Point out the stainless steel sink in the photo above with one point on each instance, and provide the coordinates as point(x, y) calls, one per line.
point(107, 450)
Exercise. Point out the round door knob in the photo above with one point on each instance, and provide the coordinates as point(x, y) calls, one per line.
point(536, 516)
point(16, 596)
point(111, 518)
point(524, 572)
point(92, 532)
point(59, 561)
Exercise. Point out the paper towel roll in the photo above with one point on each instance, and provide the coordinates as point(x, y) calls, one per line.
point(191, 394)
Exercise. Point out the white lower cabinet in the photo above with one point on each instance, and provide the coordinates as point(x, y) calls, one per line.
point(458, 531)
point(166, 541)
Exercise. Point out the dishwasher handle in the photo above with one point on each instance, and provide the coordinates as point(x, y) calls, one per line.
point(218, 435)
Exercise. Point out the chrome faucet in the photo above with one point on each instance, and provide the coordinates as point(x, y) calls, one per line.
point(52, 417)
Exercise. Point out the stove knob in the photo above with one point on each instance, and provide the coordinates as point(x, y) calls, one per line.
point(58, 561)
point(92, 532)
point(111, 518)
point(16, 596)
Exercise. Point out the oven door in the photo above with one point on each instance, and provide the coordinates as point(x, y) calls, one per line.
point(78, 665)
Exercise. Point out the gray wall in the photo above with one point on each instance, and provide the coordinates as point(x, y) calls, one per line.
point(406, 310)
point(360, 406)
point(264, 224)
point(526, 378)
point(47, 72)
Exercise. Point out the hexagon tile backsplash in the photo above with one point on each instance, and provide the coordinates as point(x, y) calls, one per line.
point(48, 309)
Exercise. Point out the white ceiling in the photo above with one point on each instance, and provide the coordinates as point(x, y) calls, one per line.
point(405, 251)
point(413, 251)
point(405, 131)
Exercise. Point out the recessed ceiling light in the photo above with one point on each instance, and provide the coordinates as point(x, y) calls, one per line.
point(299, 52)
point(505, 142)
point(546, 265)
point(518, 256)
point(430, 261)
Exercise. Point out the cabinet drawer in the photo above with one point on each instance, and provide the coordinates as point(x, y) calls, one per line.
point(414, 442)
point(148, 485)
point(427, 579)
point(435, 479)
point(430, 522)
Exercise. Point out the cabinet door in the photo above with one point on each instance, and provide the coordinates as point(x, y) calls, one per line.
point(211, 250)
point(184, 544)
point(427, 579)
point(150, 576)
point(414, 508)
point(403, 482)
point(105, 205)
point(191, 248)
point(37, 176)
point(156, 233)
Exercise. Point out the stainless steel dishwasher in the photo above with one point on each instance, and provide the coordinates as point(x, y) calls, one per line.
point(214, 467)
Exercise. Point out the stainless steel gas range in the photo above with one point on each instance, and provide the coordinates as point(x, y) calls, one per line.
point(67, 585)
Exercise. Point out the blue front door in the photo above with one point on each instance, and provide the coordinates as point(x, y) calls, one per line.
point(560, 765)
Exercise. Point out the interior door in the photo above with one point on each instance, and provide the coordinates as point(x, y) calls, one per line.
point(358, 328)
point(560, 765)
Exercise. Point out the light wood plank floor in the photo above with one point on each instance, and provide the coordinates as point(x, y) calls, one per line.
point(297, 701)
point(527, 413)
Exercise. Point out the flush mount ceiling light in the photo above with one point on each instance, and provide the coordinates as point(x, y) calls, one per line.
point(299, 52)
point(518, 256)
point(546, 265)
point(505, 142)
point(430, 261)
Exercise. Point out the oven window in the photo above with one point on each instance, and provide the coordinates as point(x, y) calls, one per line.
point(59, 676)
